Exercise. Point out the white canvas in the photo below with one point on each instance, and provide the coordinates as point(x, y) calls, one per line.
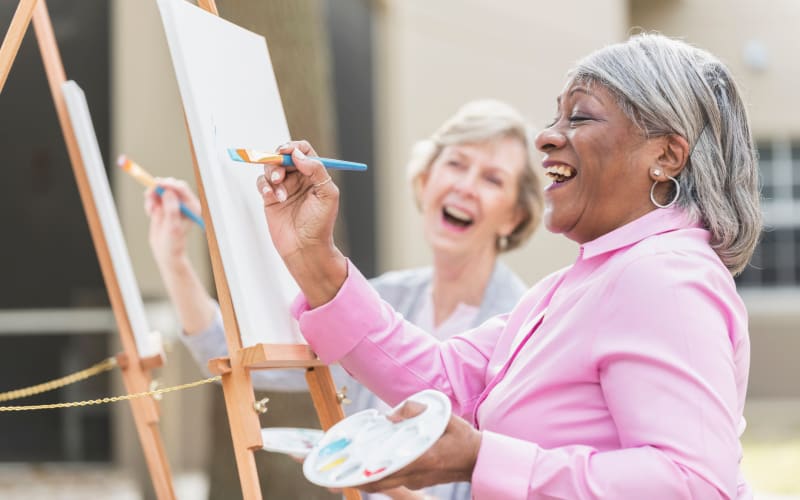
point(148, 343)
point(231, 99)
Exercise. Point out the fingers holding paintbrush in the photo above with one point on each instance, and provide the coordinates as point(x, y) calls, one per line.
point(189, 205)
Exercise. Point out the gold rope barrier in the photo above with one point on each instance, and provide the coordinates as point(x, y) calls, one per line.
point(25, 392)
point(112, 399)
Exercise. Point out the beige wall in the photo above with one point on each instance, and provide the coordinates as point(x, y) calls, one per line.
point(147, 126)
point(775, 341)
point(723, 27)
point(431, 57)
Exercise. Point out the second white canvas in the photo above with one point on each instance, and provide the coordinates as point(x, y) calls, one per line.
point(148, 343)
point(231, 99)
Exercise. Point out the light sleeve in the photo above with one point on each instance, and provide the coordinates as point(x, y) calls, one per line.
point(210, 343)
point(206, 344)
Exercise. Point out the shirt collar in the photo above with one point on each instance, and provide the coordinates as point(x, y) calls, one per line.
point(660, 220)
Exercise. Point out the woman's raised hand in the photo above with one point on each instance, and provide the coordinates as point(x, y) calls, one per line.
point(300, 206)
point(168, 228)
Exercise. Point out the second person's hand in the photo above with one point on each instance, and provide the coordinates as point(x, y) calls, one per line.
point(169, 228)
point(301, 206)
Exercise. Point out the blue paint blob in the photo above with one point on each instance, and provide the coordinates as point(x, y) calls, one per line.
point(334, 447)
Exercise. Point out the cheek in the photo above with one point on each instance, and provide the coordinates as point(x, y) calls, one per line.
point(436, 187)
point(436, 182)
point(499, 207)
point(429, 205)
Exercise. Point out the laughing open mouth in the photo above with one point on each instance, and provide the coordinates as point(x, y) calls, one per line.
point(560, 173)
point(456, 216)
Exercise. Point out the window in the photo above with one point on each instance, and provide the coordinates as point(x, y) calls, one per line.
point(776, 262)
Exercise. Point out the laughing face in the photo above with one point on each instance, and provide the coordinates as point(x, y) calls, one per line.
point(469, 195)
point(598, 161)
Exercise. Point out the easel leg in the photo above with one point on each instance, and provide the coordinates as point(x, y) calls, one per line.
point(243, 421)
point(323, 393)
point(153, 447)
point(13, 39)
point(145, 417)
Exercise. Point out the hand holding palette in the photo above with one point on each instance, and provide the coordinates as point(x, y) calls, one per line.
point(367, 446)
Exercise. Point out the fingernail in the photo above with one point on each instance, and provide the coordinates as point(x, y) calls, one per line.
point(275, 176)
point(281, 194)
point(265, 190)
point(299, 154)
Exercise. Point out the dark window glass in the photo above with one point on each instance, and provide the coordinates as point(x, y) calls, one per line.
point(765, 168)
point(796, 172)
point(764, 150)
point(776, 260)
point(767, 186)
point(796, 151)
point(769, 268)
point(797, 254)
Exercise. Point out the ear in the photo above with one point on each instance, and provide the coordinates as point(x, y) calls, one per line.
point(508, 227)
point(423, 176)
point(673, 153)
point(418, 187)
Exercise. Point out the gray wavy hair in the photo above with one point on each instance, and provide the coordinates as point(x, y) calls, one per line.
point(669, 87)
point(478, 122)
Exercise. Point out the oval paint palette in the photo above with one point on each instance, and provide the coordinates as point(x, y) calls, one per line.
point(366, 446)
point(292, 441)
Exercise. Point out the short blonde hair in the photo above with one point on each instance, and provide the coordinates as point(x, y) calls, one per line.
point(478, 122)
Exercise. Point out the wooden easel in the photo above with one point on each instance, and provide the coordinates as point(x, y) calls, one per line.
point(135, 370)
point(237, 385)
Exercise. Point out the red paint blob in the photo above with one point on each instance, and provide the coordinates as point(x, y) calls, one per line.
point(369, 473)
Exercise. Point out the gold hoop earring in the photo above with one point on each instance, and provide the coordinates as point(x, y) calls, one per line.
point(677, 193)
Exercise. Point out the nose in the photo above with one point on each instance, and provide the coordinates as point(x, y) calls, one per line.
point(466, 183)
point(549, 139)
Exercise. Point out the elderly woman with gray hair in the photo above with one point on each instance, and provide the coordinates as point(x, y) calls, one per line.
point(479, 196)
point(622, 376)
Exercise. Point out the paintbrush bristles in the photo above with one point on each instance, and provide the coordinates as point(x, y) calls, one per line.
point(253, 156)
point(136, 171)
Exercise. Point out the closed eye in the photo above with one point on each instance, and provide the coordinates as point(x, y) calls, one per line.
point(455, 164)
point(497, 181)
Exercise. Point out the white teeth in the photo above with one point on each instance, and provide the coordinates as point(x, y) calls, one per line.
point(562, 170)
point(560, 173)
point(457, 214)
